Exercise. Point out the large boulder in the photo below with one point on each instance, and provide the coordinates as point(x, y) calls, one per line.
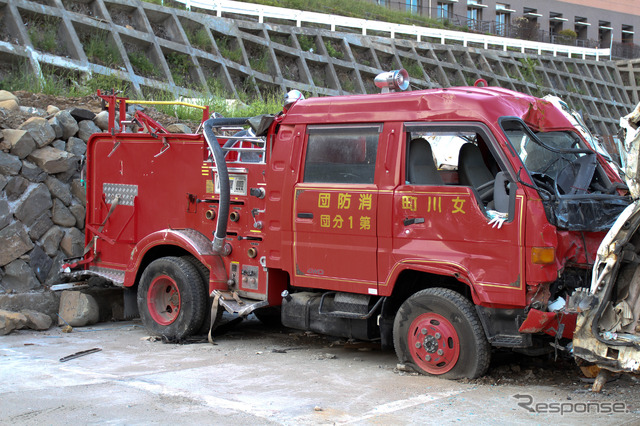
point(43, 301)
point(37, 320)
point(76, 146)
point(78, 309)
point(9, 105)
point(41, 225)
point(102, 120)
point(68, 123)
point(40, 129)
point(10, 321)
point(40, 263)
point(32, 172)
point(79, 191)
point(52, 160)
point(50, 241)
point(34, 205)
point(6, 96)
point(57, 127)
point(81, 114)
point(9, 164)
point(59, 190)
point(72, 243)
point(78, 211)
point(5, 213)
point(20, 142)
point(15, 187)
point(19, 277)
point(14, 242)
point(60, 214)
point(86, 129)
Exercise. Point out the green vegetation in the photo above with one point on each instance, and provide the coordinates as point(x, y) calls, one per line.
point(530, 74)
point(142, 65)
point(348, 85)
point(225, 45)
point(199, 38)
point(306, 42)
point(261, 63)
point(413, 68)
point(43, 33)
point(60, 82)
point(180, 64)
point(333, 50)
point(101, 50)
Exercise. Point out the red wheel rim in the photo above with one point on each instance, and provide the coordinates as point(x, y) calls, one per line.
point(433, 343)
point(163, 300)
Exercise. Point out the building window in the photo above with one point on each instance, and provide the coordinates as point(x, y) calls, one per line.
point(556, 22)
point(627, 34)
point(581, 27)
point(604, 34)
point(444, 11)
point(412, 6)
point(502, 18)
point(474, 14)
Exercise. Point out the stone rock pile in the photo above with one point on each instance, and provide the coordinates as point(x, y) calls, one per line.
point(42, 200)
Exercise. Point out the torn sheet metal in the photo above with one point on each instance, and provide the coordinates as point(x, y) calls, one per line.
point(608, 326)
point(556, 324)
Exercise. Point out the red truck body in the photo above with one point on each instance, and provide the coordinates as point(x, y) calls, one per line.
point(338, 205)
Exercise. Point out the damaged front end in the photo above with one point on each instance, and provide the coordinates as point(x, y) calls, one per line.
point(607, 330)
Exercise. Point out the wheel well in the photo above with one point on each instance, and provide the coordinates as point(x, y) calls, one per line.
point(156, 253)
point(410, 282)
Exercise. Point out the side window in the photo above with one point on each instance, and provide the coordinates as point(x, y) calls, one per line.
point(456, 156)
point(341, 154)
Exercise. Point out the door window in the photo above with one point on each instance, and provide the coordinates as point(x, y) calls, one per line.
point(341, 154)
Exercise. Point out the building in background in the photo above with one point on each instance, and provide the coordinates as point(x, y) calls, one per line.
point(589, 23)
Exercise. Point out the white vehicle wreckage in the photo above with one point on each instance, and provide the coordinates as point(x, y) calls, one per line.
point(607, 331)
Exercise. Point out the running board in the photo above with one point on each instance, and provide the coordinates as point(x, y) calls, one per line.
point(235, 304)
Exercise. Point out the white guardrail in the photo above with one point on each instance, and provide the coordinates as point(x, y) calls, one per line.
point(420, 33)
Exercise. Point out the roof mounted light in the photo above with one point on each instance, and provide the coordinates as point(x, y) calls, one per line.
point(393, 81)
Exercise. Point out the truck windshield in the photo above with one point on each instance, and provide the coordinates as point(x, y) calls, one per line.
point(576, 191)
point(545, 153)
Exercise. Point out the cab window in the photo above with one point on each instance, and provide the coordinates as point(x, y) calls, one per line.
point(455, 155)
point(341, 154)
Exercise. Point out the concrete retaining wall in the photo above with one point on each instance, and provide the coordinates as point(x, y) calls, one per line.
point(189, 51)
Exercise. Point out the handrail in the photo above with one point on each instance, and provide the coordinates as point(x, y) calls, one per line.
point(179, 103)
point(333, 21)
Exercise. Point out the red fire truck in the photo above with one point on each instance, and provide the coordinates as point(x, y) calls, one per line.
point(441, 222)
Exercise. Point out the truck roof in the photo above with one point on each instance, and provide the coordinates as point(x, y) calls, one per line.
point(485, 104)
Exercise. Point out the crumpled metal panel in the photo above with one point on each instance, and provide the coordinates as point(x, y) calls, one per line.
point(608, 329)
point(630, 156)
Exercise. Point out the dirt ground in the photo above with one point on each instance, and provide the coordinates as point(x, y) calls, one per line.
point(274, 375)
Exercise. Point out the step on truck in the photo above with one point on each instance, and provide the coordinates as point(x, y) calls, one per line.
point(440, 222)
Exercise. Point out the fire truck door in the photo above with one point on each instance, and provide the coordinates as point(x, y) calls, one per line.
point(443, 213)
point(334, 204)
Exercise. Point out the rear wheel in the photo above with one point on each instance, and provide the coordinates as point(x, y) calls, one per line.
point(172, 298)
point(438, 332)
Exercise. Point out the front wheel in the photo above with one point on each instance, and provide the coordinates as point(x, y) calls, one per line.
point(438, 332)
point(172, 298)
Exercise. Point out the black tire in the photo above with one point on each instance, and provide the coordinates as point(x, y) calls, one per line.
point(437, 331)
point(270, 316)
point(172, 299)
point(204, 275)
